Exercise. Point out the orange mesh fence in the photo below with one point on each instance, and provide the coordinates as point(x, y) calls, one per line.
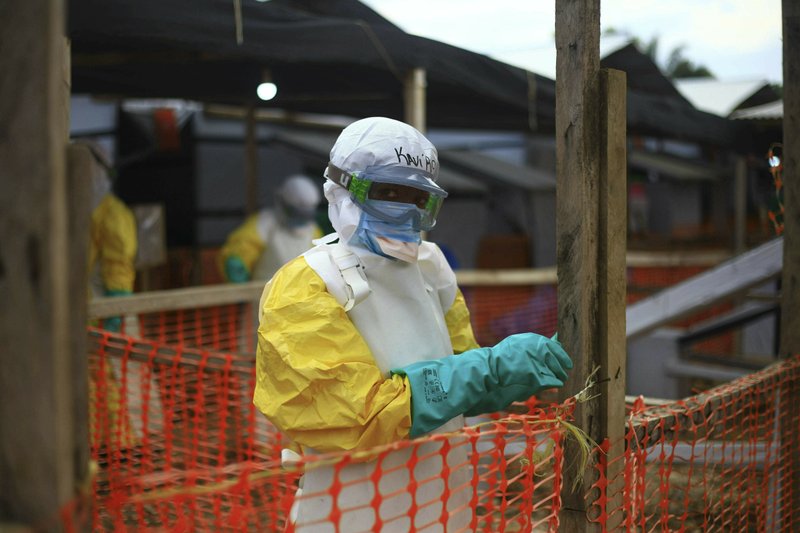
point(497, 312)
point(180, 447)
point(177, 420)
point(226, 328)
point(724, 460)
point(501, 311)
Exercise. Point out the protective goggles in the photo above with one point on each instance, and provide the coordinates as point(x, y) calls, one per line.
point(393, 193)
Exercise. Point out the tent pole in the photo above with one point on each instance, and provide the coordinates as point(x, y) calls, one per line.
point(740, 206)
point(250, 161)
point(414, 98)
point(790, 284)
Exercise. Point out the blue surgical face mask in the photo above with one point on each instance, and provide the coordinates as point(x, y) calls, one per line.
point(371, 227)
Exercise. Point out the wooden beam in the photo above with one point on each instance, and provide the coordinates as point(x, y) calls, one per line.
point(414, 98)
point(790, 283)
point(577, 217)
point(790, 286)
point(498, 278)
point(187, 298)
point(250, 161)
point(80, 162)
point(740, 206)
point(723, 283)
point(36, 434)
point(612, 240)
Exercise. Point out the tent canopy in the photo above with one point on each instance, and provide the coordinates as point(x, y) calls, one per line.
point(320, 62)
point(334, 57)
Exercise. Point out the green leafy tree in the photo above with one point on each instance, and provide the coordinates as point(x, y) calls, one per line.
point(677, 64)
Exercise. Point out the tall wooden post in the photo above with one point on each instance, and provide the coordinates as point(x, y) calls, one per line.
point(414, 98)
point(36, 431)
point(591, 236)
point(79, 167)
point(790, 286)
point(251, 161)
point(790, 283)
point(740, 206)
point(612, 284)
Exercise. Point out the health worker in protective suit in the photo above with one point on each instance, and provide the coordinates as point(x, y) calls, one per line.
point(112, 241)
point(111, 264)
point(368, 341)
point(271, 237)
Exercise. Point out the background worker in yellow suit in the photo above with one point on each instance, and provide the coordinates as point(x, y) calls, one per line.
point(112, 242)
point(269, 239)
point(273, 236)
point(112, 255)
point(368, 341)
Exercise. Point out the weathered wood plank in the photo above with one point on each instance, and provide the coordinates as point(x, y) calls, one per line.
point(79, 168)
point(414, 87)
point(251, 161)
point(613, 240)
point(790, 283)
point(36, 434)
point(577, 214)
point(724, 282)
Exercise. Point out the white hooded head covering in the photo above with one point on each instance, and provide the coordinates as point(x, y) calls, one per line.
point(299, 192)
point(101, 165)
point(369, 142)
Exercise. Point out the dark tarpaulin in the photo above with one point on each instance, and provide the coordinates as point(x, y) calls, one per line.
point(331, 57)
point(321, 63)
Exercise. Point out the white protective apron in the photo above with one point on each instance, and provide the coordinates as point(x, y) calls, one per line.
point(282, 244)
point(402, 321)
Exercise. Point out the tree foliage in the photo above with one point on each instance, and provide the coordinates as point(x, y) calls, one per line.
point(677, 65)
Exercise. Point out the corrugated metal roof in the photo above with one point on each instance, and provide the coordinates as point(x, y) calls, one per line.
point(716, 96)
point(672, 167)
point(770, 111)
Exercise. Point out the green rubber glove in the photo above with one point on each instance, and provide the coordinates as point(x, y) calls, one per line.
point(114, 323)
point(235, 270)
point(483, 380)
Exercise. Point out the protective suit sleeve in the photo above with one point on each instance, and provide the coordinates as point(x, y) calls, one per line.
point(114, 236)
point(458, 324)
point(483, 380)
point(316, 378)
point(245, 243)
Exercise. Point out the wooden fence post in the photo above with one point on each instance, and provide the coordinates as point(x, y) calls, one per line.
point(36, 434)
point(591, 225)
point(414, 98)
point(577, 217)
point(251, 160)
point(612, 285)
point(790, 283)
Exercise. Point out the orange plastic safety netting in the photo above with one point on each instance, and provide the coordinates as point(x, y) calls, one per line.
point(496, 312)
point(724, 460)
point(180, 447)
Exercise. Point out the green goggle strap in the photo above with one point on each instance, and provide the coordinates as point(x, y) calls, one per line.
point(359, 187)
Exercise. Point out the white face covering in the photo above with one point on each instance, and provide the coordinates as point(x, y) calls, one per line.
point(346, 218)
point(101, 185)
point(404, 251)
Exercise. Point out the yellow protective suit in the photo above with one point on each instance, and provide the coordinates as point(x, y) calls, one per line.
point(316, 378)
point(264, 245)
point(112, 252)
point(112, 246)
